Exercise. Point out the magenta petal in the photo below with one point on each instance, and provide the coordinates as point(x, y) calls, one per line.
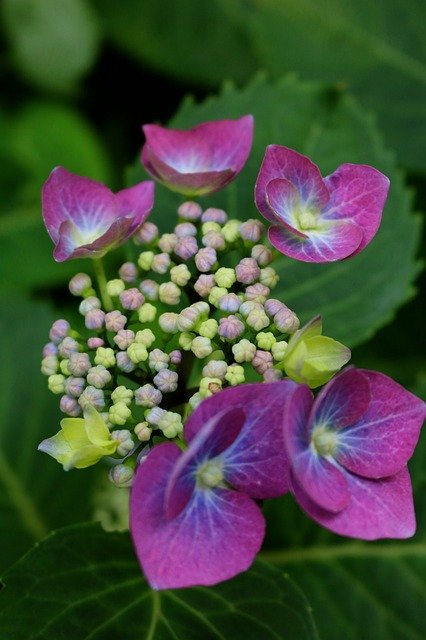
point(284, 202)
point(136, 202)
point(68, 248)
point(377, 509)
point(343, 400)
point(214, 538)
point(382, 441)
point(302, 173)
point(88, 204)
point(334, 240)
point(358, 192)
point(256, 461)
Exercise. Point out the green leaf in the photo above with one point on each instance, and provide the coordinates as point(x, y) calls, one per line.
point(356, 296)
point(53, 42)
point(84, 583)
point(191, 40)
point(377, 49)
point(34, 494)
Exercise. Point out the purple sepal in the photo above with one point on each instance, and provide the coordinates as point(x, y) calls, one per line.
point(201, 160)
point(85, 219)
point(214, 538)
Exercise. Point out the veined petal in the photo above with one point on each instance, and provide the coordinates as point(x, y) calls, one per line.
point(284, 202)
point(214, 538)
point(68, 246)
point(358, 192)
point(333, 240)
point(383, 439)
point(378, 508)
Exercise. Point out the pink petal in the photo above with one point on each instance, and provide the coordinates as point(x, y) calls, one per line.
point(136, 202)
point(67, 248)
point(335, 240)
point(302, 173)
point(284, 202)
point(358, 192)
point(383, 439)
point(89, 205)
point(377, 509)
point(214, 538)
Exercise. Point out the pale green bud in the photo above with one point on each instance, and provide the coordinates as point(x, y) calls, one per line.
point(208, 328)
point(119, 413)
point(105, 356)
point(244, 351)
point(225, 277)
point(269, 277)
point(265, 340)
point(115, 287)
point(210, 226)
point(195, 400)
point(209, 386)
point(180, 275)
point(49, 365)
point(215, 294)
point(201, 347)
point(235, 374)
point(169, 322)
point(185, 340)
point(278, 350)
point(147, 312)
point(257, 319)
point(231, 230)
point(122, 394)
point(215, 369)
point(56, 383)
point(145, 260)
point(169, 293)
point(137, 352)
point(170, 424)
point(145, 337)
point(63, 365)
point(121, 475)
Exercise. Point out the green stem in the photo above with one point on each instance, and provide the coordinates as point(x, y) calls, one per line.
point(99, 270)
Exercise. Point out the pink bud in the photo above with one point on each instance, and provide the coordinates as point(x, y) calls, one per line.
point(190, 210)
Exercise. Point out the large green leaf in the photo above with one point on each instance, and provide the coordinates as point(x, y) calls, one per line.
point(84, 583)
point(53, 42)
point(355, 296)
point(35, 496)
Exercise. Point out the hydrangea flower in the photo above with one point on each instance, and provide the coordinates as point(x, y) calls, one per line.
point(85, 219)
point(349, 450)
point(81, 442)
point(317, 219)
point(194, 519)
point(200, 160)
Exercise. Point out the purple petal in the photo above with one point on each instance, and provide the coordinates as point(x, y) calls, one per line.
point(284, 202)
point(200, 160)
point(343, 400)
point(214, 538)
point(255, 462)
point(302, 173)
point(136, 202)
point(377, 509)
point(333, 240)
point(358, 192)
point(68, 248)
point(383, 439)
point(89, 205)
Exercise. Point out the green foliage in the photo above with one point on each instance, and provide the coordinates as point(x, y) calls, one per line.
point(355, 296)
point(84, 583)
point(35, 495)
point(54, 42)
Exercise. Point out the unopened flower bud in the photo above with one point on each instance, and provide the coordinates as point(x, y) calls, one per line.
point(122, 394)
point(98, 376)
point(69, 406)
point(124, 338)
point(185, 229)
point(59, 330)
point(205, 259)
point(95, 342)
point(143, 432)
point(115, 321)
point(202, 307)
point(125, 440)
point(257, 292)
point(248, 307)
point(67, 347)
point(210, 386)
point(188, 318)
point(128, 272)
point(88, 304)
point(94, 319)
point(158, 360)
point(63, 366)
point(80, 284)
point(278, 350)
point(214, 215)
point(169, 322)
point(262, 361)
point(214, 239)
point(49, 365)
point(180, 275)
point(235, 374)
point(257, 319)
point(137, 352)
point(204, 284)
point(154, 415)
point(272, 306)
point(167, 242)
point(56, 382)
point(215, 369)
point(251, 230)
point(170, 424)
point(115, 287)
point(265, 340)
point(190, 210)
point(105, 356)
point(185, 340)
point(146, 233)
point(169, 293)
point(166, 380)
point(175, 356)
point(244, 351)
point(74, 386)
point(261, 254)
point(272, 375)
point(208, 328)
point(148, 396)
point(225, 277)
point(79, 364)
point(216, 294)
point(147, 312)
point(124, 362)
point(50, 349)
point(121, 475)
point(229, 302)
point(286, 320)
point(269, 277)
point(119, 413)
point(160, 263)
point(186, 247)
point(230, 230)
point(92, 397)
point(201, 347)
point(131, 299)
point(145, 260)
point(195, 400)
point(247, 271)
point(231, 327)
point(150, 289)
